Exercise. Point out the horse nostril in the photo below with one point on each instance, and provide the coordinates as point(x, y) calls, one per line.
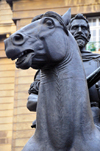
point(18, 39)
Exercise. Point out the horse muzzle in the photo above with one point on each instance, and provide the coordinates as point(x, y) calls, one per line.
point(12, 52)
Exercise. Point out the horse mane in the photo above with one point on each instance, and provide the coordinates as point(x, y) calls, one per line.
point(53, 15)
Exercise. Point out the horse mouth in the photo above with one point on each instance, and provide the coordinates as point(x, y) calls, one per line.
point(22, 57)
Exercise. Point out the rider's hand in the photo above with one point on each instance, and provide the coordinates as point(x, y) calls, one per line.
point(32, 102)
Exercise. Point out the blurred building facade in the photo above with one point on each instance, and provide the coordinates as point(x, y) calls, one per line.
point(7, 74)
point(15, 119)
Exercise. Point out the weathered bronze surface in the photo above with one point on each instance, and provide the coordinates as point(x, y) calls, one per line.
point(79, 27)
point(92, 79)
point(64, 117)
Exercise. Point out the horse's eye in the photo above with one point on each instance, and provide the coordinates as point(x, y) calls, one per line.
point(49, 23)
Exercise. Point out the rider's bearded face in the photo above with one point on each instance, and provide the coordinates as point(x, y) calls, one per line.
point(79, 29)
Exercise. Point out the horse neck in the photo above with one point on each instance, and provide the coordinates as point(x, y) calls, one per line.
point(78, 84)
point(63, 92)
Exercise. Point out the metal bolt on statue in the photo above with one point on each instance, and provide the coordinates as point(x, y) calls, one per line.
point(64, 117)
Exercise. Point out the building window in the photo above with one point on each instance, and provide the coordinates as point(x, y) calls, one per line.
point(4, 36)
point(94, 43)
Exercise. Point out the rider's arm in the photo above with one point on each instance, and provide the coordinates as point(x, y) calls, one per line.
point(32, 102)
point(33, 93)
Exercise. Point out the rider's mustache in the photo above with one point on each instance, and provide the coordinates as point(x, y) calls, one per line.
point(80, 36)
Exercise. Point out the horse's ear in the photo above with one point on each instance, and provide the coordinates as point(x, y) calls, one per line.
point(67, 17)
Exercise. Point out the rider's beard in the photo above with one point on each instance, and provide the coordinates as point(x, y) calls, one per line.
point(81, 39)
point(81, 43)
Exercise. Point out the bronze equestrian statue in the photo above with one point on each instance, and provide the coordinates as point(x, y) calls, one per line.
point(79, 27)
point(64, 117)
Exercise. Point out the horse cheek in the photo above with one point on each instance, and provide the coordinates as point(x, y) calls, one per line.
point(55, 48)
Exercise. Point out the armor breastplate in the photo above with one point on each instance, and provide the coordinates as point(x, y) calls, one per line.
point(89, 67)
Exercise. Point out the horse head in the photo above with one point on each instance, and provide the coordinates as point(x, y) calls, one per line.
point(40, 43)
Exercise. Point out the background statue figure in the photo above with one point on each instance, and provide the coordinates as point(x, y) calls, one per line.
point(79, 27)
